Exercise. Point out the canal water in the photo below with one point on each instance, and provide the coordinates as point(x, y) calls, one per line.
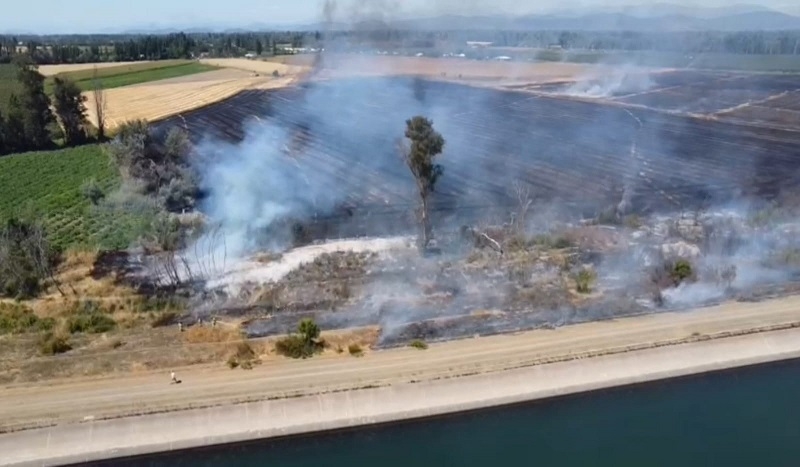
point(744, 417)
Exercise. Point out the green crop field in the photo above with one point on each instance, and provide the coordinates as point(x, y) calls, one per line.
point(8, 85)
point(136, 73)
point(49, 184)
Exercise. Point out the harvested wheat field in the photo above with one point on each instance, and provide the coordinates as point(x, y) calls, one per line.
point(160, 99)
point(256, 66)
point(51, 70)
point(346, 65)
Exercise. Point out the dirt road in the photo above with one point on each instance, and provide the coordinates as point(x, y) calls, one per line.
point(26, 406)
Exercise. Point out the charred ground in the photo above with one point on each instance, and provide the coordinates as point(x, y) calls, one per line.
point(663, 198)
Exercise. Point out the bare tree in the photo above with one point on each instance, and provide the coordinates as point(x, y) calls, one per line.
point(425, 144)
point(99, 104)
point(522, 194)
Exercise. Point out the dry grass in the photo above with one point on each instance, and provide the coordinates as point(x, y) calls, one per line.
point(454, 69)
point(161, 99)
point(363, 338)
point(208, 334)
point(257, 66)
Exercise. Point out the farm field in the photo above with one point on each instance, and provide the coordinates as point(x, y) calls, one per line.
point(52, 70)
point(453, 69)
point(127, 75)
point(574, 151)
point(157, 100)
point(48, 185)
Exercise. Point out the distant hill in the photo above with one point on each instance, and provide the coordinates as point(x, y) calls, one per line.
point(762, 20)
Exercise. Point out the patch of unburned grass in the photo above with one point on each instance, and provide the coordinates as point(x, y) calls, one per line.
point(54, 344)
point(16, 318)
point(208, 334)
point(418, 344)
point(90, 318)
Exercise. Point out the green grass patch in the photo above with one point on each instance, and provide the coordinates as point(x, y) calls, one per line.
point(127, 75)
point(48, 184)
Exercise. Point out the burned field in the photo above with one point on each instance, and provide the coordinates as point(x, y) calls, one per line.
point(721, 94)
point(598, 210)
point(342, 136)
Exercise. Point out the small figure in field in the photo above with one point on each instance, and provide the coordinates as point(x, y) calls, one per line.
point(174, 379)
point(180, 327)
point(214, 322)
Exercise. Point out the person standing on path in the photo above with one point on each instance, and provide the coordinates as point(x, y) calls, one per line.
point(174, 379)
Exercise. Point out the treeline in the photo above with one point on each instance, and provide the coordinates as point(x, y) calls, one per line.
point(100, 48)
point(105, 48)
point(33, 121)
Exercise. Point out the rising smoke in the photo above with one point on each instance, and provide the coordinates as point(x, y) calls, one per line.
point(308, 156)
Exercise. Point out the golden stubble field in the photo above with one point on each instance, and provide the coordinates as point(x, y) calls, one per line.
point(160, 99)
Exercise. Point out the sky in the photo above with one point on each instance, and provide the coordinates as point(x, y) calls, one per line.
point(85, 16)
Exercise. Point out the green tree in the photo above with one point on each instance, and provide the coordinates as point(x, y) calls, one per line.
point(426, 144)
point(70, 109)
point(308, 330)
point(259, 47)
point(15, 127)
point(4, 147)
point(34, 104)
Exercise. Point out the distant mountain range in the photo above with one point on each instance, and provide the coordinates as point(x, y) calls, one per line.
point(654, 17)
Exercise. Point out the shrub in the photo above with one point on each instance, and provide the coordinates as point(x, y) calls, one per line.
point(584, 280)
point(51, 344)
point(244, 357)
point(92, 191)
point(166, 318)
point(355, 350)
point(682, 270)
point(276, 74)
point(418, 344)
point(294, 346)
point(304, 344)
point(308, 329)
point(18, 319)
point(90, 318)
point(556, 243)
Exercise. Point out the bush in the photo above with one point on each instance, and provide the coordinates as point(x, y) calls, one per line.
point(584, 280)
point(18, 319)
point(308, 329)
point(90, 318)
point(244, 357)
point(166, 318)
point(92, 191)
point(355, 350)
point(52, 344)
point(682, 270)
point(304, 344)
point(294, 346)
point(418, 344)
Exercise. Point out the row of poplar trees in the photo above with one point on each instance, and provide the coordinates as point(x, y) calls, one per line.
point(33, 121)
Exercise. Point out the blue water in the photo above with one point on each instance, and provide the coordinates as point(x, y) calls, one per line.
point(746, 417)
